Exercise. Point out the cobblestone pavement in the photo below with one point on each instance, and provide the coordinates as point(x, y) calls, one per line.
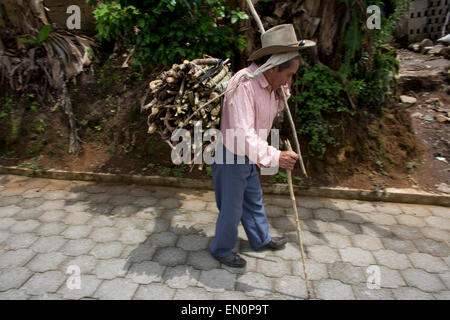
point(141, 242)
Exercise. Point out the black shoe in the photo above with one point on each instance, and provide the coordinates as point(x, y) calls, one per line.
point(233, 260)
point(276, 243)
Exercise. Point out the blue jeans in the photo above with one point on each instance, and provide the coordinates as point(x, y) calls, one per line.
point(238, 198)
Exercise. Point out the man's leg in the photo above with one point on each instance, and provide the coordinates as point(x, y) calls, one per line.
point(230, 182)
point(254, 217)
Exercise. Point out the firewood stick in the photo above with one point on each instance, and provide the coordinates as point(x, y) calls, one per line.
point(297, 220)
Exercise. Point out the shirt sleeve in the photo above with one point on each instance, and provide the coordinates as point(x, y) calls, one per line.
point(241, 117)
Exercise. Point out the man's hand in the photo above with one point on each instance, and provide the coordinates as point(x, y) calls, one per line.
point(287, 159)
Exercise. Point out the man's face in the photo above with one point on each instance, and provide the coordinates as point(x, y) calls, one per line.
point(277, 79)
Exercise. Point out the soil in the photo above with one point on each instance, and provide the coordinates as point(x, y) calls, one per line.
point(391, 149)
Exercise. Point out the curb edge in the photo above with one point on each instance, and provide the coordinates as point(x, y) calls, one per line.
point(391, 194)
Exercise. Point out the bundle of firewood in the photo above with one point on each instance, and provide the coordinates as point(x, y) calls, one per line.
point(177, 98)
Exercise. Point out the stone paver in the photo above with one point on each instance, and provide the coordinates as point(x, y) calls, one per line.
point(15, 258)
point(392, 259)
point(193, 293)
point(111, 268)
point(333, 290)
point(78, 247)
point(42, 283)
point(146, 272)
point(88, 285)
point(427, 262)
point(192, 242)
point(366, 242)
point(116, 289)
point(48, 244)
point(273, 267)
point(399, 245)
point(323, 254)
point(435, 248)
point(411, 293)
point(315, 271)
point(390, 278)
point(357, 256)
point(438, 222)
point(107, 250)
point(346, 273)
point(180, 277)
point(411, 221)
point(435, 234)
point(77, 232)
point(163, 239)
point(291, 286)
point(86, 263)
point(170, 256)
point(138, 254)
point(50, 229)
point(217, 280)
point(105, 234)
point(43, 262)
point(145, 242)
point(21, 241)
point(14, 278)
point(202, 260)
point(363, 293)
point(422, 280)
point(255, 284)
point(155, 291)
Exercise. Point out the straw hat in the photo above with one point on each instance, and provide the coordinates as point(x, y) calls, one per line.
point(280, 39)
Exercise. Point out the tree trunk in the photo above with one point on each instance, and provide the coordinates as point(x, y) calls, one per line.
point(318, 20)
point(25, 18)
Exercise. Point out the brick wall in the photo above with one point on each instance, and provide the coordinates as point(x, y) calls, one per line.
point(426, 19)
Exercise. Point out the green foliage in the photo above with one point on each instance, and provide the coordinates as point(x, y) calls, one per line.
point(107, 76)
point(209, 171)
point(44, 33)
point(352, 43)
point(366, 75)
point(113, 19)
point(179, 170)
point(369, 66)
point(412, 164)
point(7, 103)
point(281, 177)
point(377, 83)
point(323, 95)
point(164, 171)
point(28, 165)
point(40, 127)
point(165, 31)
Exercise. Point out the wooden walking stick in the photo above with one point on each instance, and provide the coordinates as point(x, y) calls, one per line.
point(297, 220)
point(291, 121)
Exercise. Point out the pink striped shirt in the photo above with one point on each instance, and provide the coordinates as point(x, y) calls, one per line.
point(255, 106)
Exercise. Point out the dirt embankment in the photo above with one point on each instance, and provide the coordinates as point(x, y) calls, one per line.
point(392, 149)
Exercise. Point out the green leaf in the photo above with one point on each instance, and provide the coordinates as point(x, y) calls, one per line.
point(25, 40)
point(44, 33)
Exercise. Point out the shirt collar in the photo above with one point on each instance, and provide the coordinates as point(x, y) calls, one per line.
point(261, 79)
